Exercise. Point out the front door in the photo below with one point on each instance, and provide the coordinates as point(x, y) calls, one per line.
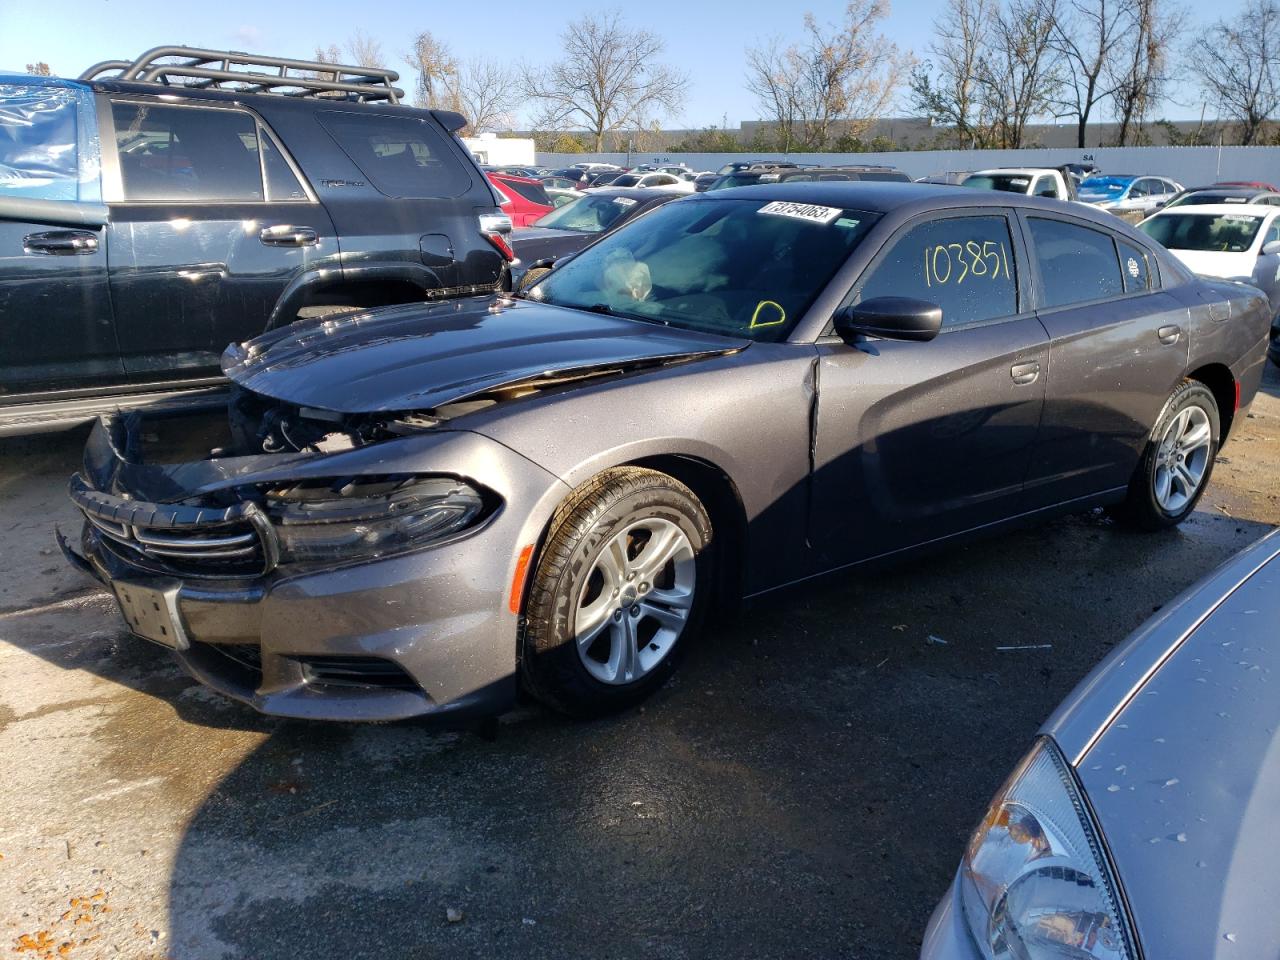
point(916, 441)
point(209, 225)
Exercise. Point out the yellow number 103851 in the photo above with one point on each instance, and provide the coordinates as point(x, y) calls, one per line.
point(957, 262)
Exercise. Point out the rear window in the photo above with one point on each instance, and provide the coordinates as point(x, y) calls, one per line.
point(48, 142)
point(402, 156)
point(1223, 233)
point(1077, 264)
point(1007, 182)
point(533, 192)
point(591, 213)
point(887, 176)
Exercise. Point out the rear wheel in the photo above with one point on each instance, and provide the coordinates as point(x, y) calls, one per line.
point(1178, 460)
point(619, 592)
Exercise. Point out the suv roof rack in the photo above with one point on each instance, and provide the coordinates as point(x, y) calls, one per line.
point(226, 69)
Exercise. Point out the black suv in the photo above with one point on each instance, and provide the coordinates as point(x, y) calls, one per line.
point(153, 211)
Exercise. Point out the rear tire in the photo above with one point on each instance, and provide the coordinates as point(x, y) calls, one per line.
point(1178, 460)
point(619, 592)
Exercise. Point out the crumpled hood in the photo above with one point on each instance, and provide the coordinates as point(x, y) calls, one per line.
point(422, 356)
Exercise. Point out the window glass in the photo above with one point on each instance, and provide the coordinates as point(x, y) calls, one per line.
point(48, 142)
point(1223, 232)
point(964, 265)
point(401, 156)
point(282, 184)
point(187, 153)
point(744, 268)
point(1137, 272)
point(1077, 263)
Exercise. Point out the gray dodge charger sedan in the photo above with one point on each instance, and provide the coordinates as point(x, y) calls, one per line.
point(1142, 823)
point(421, 509)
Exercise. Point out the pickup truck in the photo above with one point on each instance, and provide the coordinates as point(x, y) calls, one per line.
point(1030, 181)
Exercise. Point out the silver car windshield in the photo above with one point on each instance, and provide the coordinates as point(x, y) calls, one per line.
point(1224, 233)
point(743, 268)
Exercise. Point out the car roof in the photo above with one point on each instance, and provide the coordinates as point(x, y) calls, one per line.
point(1015, 171)
point(1218, 209)
point(1230, 192)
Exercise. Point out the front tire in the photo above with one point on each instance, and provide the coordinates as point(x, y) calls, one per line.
point(1178, 460)
point(619, 592)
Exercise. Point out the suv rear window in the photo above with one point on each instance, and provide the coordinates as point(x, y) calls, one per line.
point(533, 192)
point(402, 156)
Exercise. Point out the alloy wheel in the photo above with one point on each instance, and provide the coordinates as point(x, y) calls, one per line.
point(1182, 459)
point(636, 601)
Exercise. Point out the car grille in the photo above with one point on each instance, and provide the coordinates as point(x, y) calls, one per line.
point(356, 672)
point(234, 541)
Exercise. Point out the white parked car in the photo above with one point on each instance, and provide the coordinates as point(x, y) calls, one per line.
point(591, 165)
point(1227, 240)
point(1127, 192)
point(656, 181)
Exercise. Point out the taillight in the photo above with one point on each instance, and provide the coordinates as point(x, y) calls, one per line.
point(495, 227)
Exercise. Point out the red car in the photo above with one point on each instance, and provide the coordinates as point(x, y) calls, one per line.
point(522, 199)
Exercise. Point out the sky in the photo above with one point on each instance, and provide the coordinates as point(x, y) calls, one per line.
point(705, 39)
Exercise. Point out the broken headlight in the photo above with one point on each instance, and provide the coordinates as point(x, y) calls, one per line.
point(359, 518)
point(1034, 882)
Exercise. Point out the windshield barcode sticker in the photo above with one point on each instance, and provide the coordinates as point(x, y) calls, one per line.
point(801, 211)
point(624, 201)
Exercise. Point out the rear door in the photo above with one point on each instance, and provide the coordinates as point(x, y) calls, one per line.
point(916, 441)
point(1117, 348)
point(416, 208)
point(210, 223)
point(56, 328)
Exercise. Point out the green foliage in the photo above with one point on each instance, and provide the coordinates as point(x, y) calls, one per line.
point(708, 140)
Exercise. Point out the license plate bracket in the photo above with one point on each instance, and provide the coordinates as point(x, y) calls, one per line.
point(150, 611)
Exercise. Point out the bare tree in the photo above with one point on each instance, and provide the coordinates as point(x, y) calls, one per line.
point(364, 50)
point(1143, 69)
point(839, 76)
point(946, 90)
point(435, 64)
point(608, 78)
point(487, 93)
point(1089, 35)
point(1237, 63)
point(39, 69)
point(1019, 77)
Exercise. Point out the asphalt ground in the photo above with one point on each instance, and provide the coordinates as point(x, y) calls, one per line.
point(803, 788)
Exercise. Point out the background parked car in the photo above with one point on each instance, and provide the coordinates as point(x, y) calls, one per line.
point(214, 215)
point(523, 199)
point(953, 177)
point(1233, 242)
point(1142, 822)
point(570, 228)
point(1199, 196)
point(703, 181)
point(651, 181)
point(1123, 192)
point(808, 174)
point(1029, 181)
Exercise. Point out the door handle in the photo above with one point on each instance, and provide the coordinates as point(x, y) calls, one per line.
point(61, 242)
point(287, 235)
point(1169, 335)
point(1024, 373)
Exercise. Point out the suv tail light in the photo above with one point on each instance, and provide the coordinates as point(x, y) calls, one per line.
point(495, 227)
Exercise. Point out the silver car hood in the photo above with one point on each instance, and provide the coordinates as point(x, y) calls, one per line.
point(1185, 777)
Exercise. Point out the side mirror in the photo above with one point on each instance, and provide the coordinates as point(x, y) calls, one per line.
point(1271, 246)
point(890, 318)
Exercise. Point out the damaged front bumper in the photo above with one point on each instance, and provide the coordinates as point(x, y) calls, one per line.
point(427, 632)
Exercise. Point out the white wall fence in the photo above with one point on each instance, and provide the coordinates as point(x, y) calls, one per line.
point(1190, 166)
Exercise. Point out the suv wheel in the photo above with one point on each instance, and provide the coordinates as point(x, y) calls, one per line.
point(618, 594)
point(1178, 460)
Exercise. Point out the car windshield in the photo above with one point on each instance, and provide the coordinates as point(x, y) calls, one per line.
point(588, 214)
point(728, 168)
point(1109, 187)
point(738, 180)
point(743, 268)
point(626, 180)
point(1008, 182)
point(1222, 232)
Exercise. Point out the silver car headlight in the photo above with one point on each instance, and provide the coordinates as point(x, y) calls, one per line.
point(1035, 883)
point(361, 518)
